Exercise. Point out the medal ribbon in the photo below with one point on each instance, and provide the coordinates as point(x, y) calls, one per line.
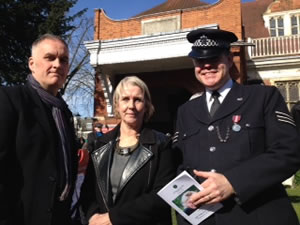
point(236, 118)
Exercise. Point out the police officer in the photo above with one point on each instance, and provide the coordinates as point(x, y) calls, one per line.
point(239, 141)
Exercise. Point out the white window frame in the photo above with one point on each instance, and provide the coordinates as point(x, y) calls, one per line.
point(297, 26)
point(276, 28)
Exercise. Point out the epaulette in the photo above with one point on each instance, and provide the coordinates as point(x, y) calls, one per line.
point(196, 95)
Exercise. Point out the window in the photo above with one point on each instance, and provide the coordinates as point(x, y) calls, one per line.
point(276, 27)
point(272, 27)
point(290, 91)
point(295, 24)
point(280, 26)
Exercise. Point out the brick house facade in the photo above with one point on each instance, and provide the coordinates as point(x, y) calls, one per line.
point(152, 45)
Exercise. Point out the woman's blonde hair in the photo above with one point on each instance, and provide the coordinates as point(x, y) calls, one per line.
point(135, 81)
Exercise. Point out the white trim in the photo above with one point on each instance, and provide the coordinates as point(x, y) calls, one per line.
point(141, 48)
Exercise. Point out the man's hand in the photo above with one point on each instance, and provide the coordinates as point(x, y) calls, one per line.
point(100, 219)
point(216, 189)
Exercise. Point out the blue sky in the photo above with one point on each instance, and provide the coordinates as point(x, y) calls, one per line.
point(121, 9)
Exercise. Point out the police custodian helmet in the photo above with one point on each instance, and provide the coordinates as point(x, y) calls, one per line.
point(209, 43)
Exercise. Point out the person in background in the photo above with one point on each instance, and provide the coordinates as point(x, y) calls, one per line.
point(129, 165)
point(38, 150)
point(92, 137)
point(240, 141)
point(98, 129)
point(81, 141)
point(105, 129)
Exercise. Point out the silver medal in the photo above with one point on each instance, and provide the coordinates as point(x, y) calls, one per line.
point(236, 127)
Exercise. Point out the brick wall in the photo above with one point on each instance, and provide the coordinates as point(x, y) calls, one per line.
point(284, 5)
point(226, 13)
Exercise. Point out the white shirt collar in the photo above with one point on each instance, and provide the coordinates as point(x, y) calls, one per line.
point(223, 93)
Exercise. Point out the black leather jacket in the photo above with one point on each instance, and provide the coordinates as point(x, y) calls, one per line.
point(149, 168)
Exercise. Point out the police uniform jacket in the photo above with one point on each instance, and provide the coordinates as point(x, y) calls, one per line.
point(255, 159)
point(149, 168)
point(28, 161)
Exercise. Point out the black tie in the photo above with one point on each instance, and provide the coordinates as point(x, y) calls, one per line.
point(215, 105)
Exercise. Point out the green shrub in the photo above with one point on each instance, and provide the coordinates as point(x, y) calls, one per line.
point(294, 194)
point(296, 181)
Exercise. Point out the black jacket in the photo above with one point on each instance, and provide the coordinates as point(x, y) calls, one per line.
point(28, 160)
point(256, 159)
point(150, 167)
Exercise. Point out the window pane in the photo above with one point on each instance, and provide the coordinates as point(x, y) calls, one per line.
point(294, 30)
point(280, 32)
point(273, 33)
point(280, 22)
point(293, 91)
point(289, 91)
point(282, 89)
point(294, 20)
point(272, 23)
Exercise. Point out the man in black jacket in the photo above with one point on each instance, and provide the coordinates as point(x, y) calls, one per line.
point(239, 140)
point(38, 158)
point(92, 136)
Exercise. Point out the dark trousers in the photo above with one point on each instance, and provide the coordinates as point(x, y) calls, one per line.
point(61, 214)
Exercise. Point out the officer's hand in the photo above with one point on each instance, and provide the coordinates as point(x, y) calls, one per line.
point(216, 189)
point(100, 219)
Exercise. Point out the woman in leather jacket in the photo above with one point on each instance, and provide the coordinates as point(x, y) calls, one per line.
point(129, 165)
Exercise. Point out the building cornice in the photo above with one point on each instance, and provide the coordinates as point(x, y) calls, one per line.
point(282, 61)
point(140, 48)
point(274, 67)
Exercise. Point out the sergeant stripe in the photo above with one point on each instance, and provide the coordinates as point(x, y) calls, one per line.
point(284, 114)
point(284, 117)
point(175, 137)
point(287, 121)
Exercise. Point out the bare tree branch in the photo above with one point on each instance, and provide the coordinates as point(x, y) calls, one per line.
point(79, 87)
